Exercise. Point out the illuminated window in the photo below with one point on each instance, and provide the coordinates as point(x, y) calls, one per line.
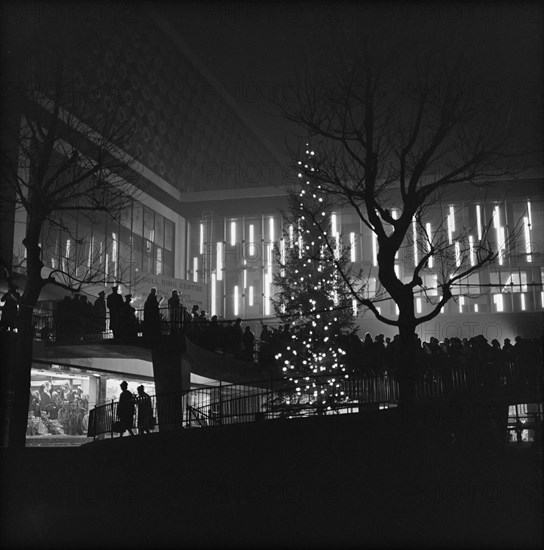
point(515, 282)
point(499, 302)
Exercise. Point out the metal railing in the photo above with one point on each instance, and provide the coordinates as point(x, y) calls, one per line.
point(226, 404)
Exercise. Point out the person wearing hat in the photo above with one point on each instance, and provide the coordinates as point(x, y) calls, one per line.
point(115, 303)
point(146, 422)
point(125, 409)
point(174, 312)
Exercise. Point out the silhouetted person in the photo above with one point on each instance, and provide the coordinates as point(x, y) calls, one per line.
point(248, 340)
point(152, 317)
point(10, 307)
point(145, 412)
point(99, 313)
point(115, 303)
point(214, 334)
point(85, 311)
point(174, 312)
point(128, 324)
point(236, 337)
point(125, 409)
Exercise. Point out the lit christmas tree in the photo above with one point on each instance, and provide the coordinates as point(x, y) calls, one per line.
point(312, 297)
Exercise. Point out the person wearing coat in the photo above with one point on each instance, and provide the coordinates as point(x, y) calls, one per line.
point(146, 422)
point(125, 409)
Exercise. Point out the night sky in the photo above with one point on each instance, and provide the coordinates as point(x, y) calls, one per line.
point(255, 49)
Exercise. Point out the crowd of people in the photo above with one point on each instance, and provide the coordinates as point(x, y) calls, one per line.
point(58, 410)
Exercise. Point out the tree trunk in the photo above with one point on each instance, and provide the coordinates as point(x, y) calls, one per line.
point(408, 366)
point(21, 375)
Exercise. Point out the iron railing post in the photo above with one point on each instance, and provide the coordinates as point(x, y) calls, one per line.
point(220, 403)
point(111, 420)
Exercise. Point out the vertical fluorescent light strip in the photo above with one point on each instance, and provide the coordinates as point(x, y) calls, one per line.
point(67, 255)
point(201, 242)
point(271, 229)
point(251, 239)
point(428, 230)
point(452, 216)
point(450, 228)
point(374, 249)
point(471, 250)
point(337, 246)
point(195, 269)
point(291, 236)
point(529, 213)
point(476, 308)
point(457, 254)
point(235, 300)
point(300, 244)
point(282, 256)
point(527, 232)
point(245, 278)
point(394, 215)
point(213, 294)
point(479, 221)
point(266, 293)
point(461, 304)
point(522, 302)
point(501, 238)
point(219, 267)
point(333, 224)
point(251, 296)
point(397, 271)
point(91, 252)
point(418, 305)
point(352, 246)
point(496, 218)
point(232, 233)
point(414, 237)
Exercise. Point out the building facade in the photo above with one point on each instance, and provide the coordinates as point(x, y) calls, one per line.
point(210, 195)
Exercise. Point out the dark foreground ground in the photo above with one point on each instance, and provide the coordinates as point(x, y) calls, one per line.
point(332, 482)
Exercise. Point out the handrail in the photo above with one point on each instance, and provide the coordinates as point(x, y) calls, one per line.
point(279, 398)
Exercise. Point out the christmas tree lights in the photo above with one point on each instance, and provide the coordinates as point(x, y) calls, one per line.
point(312, 297)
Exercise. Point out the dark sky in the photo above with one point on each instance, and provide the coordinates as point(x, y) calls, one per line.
point(255, 48)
